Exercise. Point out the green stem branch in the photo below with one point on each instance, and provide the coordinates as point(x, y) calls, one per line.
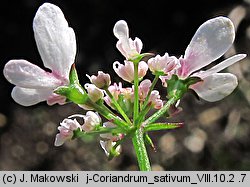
point(108, 115)
point(118, 107)
point(136, 91)
point(160, 112)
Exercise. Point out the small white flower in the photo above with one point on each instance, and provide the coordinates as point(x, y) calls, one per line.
point(165, 65)
point(94, 93)
point(128, 47)
point(66, 128)
point(56, 44)
point(126, 71)
point(102, 80)
point(91, 120)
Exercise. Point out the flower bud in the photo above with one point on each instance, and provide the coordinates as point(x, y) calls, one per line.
point(94, 93)
point(102, 80)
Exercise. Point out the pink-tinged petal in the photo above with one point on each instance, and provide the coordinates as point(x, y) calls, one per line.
point(212, 39)
point(56, 99)
point(142, 69)
point(128, 47)
point(126, 71)
point(60, 139)
point(102, 80)
point(28, 97)
point(55, 39)
point(25, 74)
point(122, 34)
point(224, 64)
point(163, 64)
point(216, 86)
point(138, 45)
point(144, 88)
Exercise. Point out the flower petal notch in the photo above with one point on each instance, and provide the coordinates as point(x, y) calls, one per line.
point(57, 47)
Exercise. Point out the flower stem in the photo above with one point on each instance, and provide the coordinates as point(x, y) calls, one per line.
point(140, 150)
point(136, 91)
point(118, 107)
point(160, 112)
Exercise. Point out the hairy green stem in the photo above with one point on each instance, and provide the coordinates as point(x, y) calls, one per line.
point(140, 150)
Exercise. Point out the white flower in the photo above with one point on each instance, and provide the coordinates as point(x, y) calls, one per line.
point(212, 39)
point(128, 47)
point(165, 65)
point(91, 120)
point(126, 71)
point(56, 44)
point(66, 128)
point(102, 80)
point(94, 93)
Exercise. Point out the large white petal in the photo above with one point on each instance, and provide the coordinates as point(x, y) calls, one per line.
point(121, 30)
point(28, 97)
point(224, 64)
point(216, 86)
point(55, 39)
point(25, 74)
point(212, 39)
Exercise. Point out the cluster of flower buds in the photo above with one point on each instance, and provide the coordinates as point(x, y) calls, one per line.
point(126, 109)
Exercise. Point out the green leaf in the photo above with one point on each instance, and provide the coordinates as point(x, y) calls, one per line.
point(162, 126)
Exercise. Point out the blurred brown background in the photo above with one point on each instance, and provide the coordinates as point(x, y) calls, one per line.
point(216, 136)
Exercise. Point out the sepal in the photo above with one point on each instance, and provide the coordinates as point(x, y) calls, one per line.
point(113, 153)
point(178, 87)
point(139, 57)
point(73, 77)
point(73, 92)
